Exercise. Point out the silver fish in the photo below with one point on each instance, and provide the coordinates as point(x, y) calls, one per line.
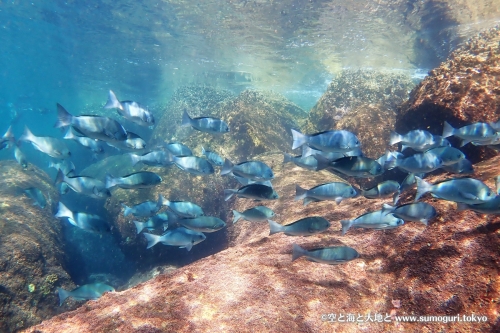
point(181, 237)
point(88, 222)
point(329, 255)
point(255, 214)
point(144, 209)
point(184, 209)
point(89, 143)
point(448, 155)
point(200, 223)
point(20, 157)
point(133, 142)
point(193, 164)
point(254, 170)
point(178, 149)
point(213, 157)
point(133, 111)
point(252, 191)
point(417, 211)
point(141, 179)
point(95, 127)
point(372, 220)
point(85, 292)
point(85, 185)
point(46, 144)
point(205, 124)
point(336, 191)
point(476, 132)
point(328, 141)
point(154, 222)
point(304, 227)
point(465, 190)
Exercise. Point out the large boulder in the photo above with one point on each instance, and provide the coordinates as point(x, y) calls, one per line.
point(259, 122)
point(449, 268)
point(352, 89)
point(31, 250)
point(464, 89)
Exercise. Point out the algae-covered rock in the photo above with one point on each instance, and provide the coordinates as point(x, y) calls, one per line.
point(352, 88)
point(372, 124)
point(464, 89)
point(259, 122)
point(31, 249)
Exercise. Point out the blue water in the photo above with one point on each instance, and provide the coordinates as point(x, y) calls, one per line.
point(73, 52)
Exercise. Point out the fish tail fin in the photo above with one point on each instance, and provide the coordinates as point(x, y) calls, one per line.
point(287, 158)
point(395, 138)
point(404, 147)
point(63, 294)
point(60, 177)
point(127, 210)
point(186, 119)
point(152, 239)
point(395, 198)
point(27, 135)
point(461, 206)
point(299, 139)
point(110, 181)
point(448, 130)
point(134, 159)
point(228, 193)
point(346, 225)
point(237, 216)
point(69, 134)
point(63, 211)
point(139, 226)
point(63, 117)
point(323, 162)
point(9, 134)
point(113, 102)
point(387, 209)
point(422, 187)
point(300, 193)
point(297, 252)
point(307, 151)
point(203, 151)
point(227, 167)
point(275, 227)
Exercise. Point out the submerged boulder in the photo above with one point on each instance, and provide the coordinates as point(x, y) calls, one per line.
point(31, 249)
point(447, 268)
point(353, 88)
point(258, 121)
point(464, 89)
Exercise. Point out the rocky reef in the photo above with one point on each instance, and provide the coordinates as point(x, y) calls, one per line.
point(464, 89)
point(447, 268)
point(31, 250)
point(353, 88)
point(356, 101)
point(259, 122)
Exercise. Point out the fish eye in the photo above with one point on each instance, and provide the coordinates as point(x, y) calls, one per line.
point(488, 194)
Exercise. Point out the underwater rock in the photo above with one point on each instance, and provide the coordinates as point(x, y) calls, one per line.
point(447, 268)
point(372, 124)
point(464, 89)
point(351, 89)
point(31, 250)
point(258, 121)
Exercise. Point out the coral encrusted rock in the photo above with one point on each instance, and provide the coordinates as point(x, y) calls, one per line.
point(31, 250)
point(464, 89)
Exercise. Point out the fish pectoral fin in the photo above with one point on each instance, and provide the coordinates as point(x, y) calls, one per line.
point(468, 195)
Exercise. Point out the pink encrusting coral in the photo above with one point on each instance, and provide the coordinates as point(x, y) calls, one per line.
point(445, 269)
